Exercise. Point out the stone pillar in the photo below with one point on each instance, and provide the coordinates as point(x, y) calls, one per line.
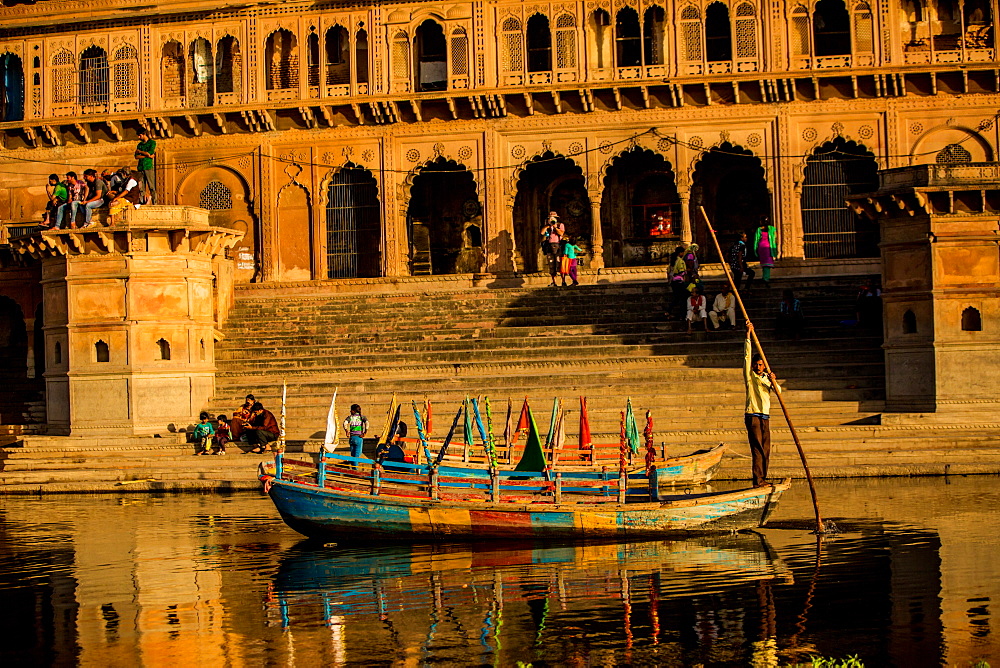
point(687, 232)
point(29, 326)
point(134, 309)
point(597, 239)
point(940, 271)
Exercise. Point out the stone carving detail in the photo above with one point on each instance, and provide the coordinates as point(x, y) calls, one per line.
point(575, 148)
point(413, 155)
point(181, 167)
point(753, 139)
point(724, 136)
point(663, 144)
point(606, 147)
point(546, 145)
point(809, 134)
point(838, 128)
point(368, 155)
point(438, 150)
point(465, 152)
point(697, 141)
point(866, 132)
point(329, 158)
point(347, 152)
point(518, 152)
point(245, 162)
point(916, 128)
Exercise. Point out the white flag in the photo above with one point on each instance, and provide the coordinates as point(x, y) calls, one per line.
point(332, 431)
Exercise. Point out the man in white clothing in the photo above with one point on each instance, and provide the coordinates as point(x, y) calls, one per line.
point(724, 309)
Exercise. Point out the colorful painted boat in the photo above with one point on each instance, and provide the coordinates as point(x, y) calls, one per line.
point(356, 499)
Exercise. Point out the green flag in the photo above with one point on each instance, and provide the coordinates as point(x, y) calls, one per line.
point(467, 426)
point(533, 458)
point(631, 430)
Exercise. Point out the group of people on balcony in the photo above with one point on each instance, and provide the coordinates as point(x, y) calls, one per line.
point(116, 190)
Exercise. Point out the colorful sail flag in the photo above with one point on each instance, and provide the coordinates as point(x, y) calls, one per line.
point(650, 448)
point(447, 440)
point(509, 427)
point(467, 426)
point(332, 436)
point(389, 415)
point(533, 458)
point(523, 422)
point(551, 434)
point(491, 443)
point(631, 430)
point(586, 440)
point(281, 427)
point(427, 416)
point(420, 432)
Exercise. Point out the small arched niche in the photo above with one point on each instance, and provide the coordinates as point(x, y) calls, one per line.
point(101, 351)
point(909, 322)
point(163, 346)
point(972, 321)
point(57, 353)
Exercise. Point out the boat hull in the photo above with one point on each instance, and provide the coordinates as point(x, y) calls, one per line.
point(344, 516)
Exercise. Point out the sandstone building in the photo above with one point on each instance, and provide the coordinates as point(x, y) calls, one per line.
point(367, 140)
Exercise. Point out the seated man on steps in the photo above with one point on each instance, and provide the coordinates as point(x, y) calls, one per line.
point(724, 309)
point(261, 429)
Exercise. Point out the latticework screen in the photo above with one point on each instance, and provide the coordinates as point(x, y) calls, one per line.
point(400, 56)
point(459, 53)
point(746, 31)
point(216, 197)
point(513, 45)
point(864, 39)
point(691, 33)
point(799, 37)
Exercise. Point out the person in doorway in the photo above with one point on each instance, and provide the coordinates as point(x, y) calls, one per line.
point(552, 233)
point(97, 194)
point(696, 309)
point(765, 243)
point(736, 258)
point(760, 383)
point(724, 309)
point(790, 320)
point(570, 261)
point(203, 433)
point(223, 435)
point(261, 429)
point(356, 427)
point(145, 153)
point(57, 195)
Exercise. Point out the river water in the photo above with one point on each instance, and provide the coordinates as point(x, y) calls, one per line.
point(186, 580)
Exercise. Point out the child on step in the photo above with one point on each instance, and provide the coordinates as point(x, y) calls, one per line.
point(203, 433)
point(222, 435)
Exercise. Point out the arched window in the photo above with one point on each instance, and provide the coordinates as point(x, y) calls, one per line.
point(600, 23)
point(337, 48)
point(94, 80)
point(746, 32)
point(718, 33)
point(101, 352)
point(228, 66)
point(63, 77)
point(972, 321)
point(799, 31)
point(432, 56)
point(539, 44)
point(831, 29)
point(833, 172)
point(282, 60)
point(653, 22)
point(691, 34)
point(628, 38)
point(163, 349)
point(11, 88)
point(126, 68)
point(172, 73)
point(216, 197)
point(459, 53)
point(513, 45)
point(864, 31)
point(353, 225)
point(361, 55)
point(57, 353)
point(909, 322)
point(312, 59)
point(201, 91)
point(401, 56)
point(565, 42)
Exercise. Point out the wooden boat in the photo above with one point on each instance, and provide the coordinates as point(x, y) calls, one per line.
point(349, 498)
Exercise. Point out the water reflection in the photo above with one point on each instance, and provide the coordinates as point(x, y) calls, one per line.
point(206, 580)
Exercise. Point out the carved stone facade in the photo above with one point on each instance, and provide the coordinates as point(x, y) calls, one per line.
point(423, 137)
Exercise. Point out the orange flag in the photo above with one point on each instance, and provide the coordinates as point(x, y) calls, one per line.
point(586, 441)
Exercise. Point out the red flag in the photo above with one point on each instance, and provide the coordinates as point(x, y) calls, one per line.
point(523, 422)
point(586, 440)
point(650, 448)
point(427, 417)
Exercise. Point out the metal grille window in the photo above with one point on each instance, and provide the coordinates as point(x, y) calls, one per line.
point(513, 42)
point(459, 52)
point(126, 61)
point(863, 31)
point(953, 154)
point(400, 56)
point(830, 229)
point(565, 42)
point(353, 229)
point(94, 80)
point(691, 33)
point(63, 77)
point(800, 29)
point(746, 32)
point(216, 197)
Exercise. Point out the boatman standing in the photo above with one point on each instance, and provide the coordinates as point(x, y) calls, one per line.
point(356, 426)
point(760, 383)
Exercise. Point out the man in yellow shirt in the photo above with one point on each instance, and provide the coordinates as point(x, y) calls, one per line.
point(759, 385)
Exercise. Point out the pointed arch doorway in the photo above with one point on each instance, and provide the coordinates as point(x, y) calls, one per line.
point(445, 220)
point(549, 183)
point(729, 182)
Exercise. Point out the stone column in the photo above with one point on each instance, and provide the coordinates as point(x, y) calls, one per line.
point(29, 326)
point(597, 239)
point(132, 307)
point(687, 233)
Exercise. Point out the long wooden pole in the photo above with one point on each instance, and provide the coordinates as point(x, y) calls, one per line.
point(760, 351)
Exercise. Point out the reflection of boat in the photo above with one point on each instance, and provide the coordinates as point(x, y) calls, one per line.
point(405, 502)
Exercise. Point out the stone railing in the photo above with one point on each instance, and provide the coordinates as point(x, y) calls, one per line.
point(918, 176)
point(13, 229)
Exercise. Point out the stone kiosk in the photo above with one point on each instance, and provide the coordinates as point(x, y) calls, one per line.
point(131, 314)
point(940, 228)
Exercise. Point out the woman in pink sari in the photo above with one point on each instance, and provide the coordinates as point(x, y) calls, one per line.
point(765, 242)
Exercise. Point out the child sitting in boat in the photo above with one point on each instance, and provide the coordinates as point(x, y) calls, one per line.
point(203, 433)
point(222, 435)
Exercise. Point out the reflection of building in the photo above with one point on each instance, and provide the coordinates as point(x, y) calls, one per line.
point(324, 133)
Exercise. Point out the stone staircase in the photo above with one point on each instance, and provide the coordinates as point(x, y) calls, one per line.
point(607, 342)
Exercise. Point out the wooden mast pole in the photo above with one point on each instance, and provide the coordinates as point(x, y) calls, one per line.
point(760, 351)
